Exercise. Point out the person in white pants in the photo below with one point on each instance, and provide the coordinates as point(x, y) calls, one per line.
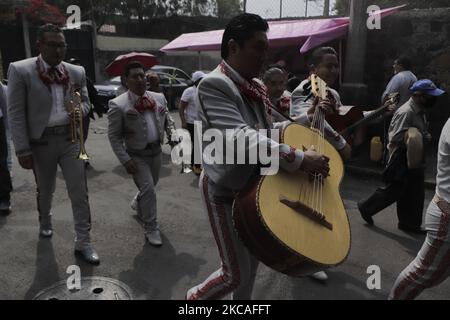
point(432, 264)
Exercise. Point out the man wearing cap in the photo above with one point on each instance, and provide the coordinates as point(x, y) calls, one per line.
point(188, 113)
point(404, 173)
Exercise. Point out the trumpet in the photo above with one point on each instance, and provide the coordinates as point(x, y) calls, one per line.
point(76, 121)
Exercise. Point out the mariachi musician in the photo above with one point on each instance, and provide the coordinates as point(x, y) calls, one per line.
point(39, 95)
point(231, 98)
point(324, 63)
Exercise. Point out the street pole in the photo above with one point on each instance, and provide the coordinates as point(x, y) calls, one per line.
point(353, 88)
point(26, 35)
point(326, 8)
point(94, 43)
point(245, 6)
point(281, 9)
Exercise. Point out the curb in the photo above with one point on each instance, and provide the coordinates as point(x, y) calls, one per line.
point(429, 183)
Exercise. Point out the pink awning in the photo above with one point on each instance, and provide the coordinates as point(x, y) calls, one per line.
point(308, 33)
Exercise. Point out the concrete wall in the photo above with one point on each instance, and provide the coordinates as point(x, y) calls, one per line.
point(424, 36)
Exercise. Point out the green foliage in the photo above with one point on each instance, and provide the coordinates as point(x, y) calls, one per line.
point(228, 8)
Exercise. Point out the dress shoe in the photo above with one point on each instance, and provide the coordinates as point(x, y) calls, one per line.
point(154, 238)
point(5, 208)
point(89, 255)
point(367, 218)
point(321, 276)
point(46, 232)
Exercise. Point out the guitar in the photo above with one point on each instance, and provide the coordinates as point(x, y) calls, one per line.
point(393, 98)
point(292, 223)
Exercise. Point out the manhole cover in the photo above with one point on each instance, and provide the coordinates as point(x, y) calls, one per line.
point(92, 288)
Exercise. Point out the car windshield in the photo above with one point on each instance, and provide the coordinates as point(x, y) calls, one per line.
point(174, 72)
point(115, 80)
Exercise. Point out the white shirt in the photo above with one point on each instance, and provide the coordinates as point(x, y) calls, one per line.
point(150, 118)
point(190, 112)
point(443, 167)
point(59, 115)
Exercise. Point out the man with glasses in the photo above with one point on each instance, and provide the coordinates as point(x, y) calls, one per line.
point(39, 93)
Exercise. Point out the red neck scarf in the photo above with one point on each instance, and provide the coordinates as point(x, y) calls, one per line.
point(53, 75)
point(252, 90)
point(144, 103)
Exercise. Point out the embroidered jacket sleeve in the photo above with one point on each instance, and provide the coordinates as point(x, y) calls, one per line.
point(116, 132)
point(17, 113)
point(218, 106)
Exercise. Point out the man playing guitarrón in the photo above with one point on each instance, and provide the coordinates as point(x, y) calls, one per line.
point(230, 98)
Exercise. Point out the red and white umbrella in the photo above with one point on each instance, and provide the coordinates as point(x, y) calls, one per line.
point(117, 67)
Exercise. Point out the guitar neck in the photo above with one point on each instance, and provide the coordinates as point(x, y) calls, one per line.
point(369, 118)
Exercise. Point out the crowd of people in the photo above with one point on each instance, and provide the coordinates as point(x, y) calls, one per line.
point(240, 94)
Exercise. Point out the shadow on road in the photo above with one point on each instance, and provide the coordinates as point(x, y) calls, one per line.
point(46, 273)
point(157, 270)
point(412, 245)
point(339, 286)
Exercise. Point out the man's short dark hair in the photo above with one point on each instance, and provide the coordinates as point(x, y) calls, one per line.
point(47, 28)
point(318, 54)
point(242, 28)
point(132, 65)
point(405, 62)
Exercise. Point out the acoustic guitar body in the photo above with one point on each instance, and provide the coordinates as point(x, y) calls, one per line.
point(284, 225)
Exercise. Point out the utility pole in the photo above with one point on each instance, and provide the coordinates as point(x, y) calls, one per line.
point(94, 42)
point(326, 8)
point(353, 89)
point(245, 6)
point(306, 8)
point(281, 9)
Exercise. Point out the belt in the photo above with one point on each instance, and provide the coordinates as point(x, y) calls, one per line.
point(57, 130)
point(152, 145)
point(442, 204)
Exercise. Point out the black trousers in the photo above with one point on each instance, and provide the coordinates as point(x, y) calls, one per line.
point(408, 193)
point(190, 128)
point(5, 177)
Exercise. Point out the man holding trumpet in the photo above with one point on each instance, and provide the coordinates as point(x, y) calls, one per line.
point(44, 107)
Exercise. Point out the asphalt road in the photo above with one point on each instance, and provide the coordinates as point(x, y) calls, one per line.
point(29, 264)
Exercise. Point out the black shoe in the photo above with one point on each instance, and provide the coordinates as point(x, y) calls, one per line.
point(89, 255)
point(418, 231)
point(367, 218)
point(5, 212)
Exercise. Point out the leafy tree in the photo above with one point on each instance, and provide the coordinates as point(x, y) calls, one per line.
point(40, 12)
point(228, 8)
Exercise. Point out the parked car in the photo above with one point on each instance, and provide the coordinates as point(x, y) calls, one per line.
point(174, 72)
point(107, 90)
point(172, 88)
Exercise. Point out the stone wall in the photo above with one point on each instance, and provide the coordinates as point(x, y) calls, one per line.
point(424, 36)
